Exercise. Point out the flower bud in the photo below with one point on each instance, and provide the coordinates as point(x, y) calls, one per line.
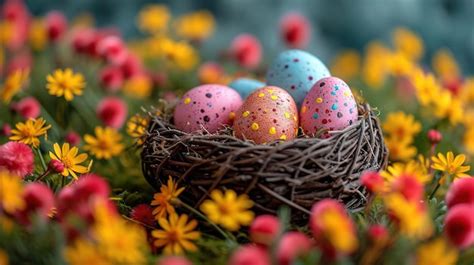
point(56, 166)
point(292, 246)
point(372, 181)
point(264, 229)
point(434, 136)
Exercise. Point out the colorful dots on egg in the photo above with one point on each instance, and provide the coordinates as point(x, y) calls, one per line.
point(296, 71)
point(207, 107)
point(329, 106)
point(268, 114)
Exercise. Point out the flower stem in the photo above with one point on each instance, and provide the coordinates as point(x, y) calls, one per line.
point(45, 167)
point(191, 209)
point(45, 173)
point(434, 190)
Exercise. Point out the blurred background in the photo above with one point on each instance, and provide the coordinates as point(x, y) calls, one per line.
point(337, 24)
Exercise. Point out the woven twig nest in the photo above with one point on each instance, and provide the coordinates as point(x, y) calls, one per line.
point(296, 173)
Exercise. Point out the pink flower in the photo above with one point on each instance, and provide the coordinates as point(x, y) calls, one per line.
point(171, 260)
point(372, 181)
point(111, 78)
point(160, 79)
point(264, 229)
point(409, 187)
point(83, 39)
point(459, 225)
point(461, 191)
point(72, 138)
point(6, 130)
point(295, 30)
point(246, 50)
point(28, 108)
point(56, 25)
point(131, 66)
point(292, 246)
point(112, 112)
point(434, 136)
point(17, 158)
point(112, 49)
point(16, 13)
point(56, 166)
point(143, 214)
point(39, 200)
point(250, 255)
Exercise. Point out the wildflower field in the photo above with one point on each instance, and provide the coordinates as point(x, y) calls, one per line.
point(79, 102)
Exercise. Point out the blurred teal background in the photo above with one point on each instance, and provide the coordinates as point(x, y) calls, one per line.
point(337, 24)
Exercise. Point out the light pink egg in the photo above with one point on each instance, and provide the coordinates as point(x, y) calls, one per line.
point(328, 106)
point(268, 114)
point(207, 107)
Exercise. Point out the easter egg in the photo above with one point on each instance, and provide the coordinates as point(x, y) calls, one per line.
point(245, 86)
point(296, 71)
point(206, 107)
point(268, 114)
point(329, 106)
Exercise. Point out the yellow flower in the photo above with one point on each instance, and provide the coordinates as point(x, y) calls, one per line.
point(11, 192)
point(70, 159)
point(426, 86)
point(469, 140)
point(65, 83)
point(182, 55)
point(164, 199)
point(6, 32)
point(412, 218)
point(408, 43)
point(38, 35)
point(138, 86)
point(136, 127)
point(346, 65)
point(467, 90)
point(450, 165)
point(84, 252)
point(3, 257)
point(105, 144)
point(228, 210)
point(400, 149)
point(197, 26)
point(436, 252)
point(400, 65)
point(375, 65)
point(176, 234)
point(153, 18)
point(29, 131)
point(337, 230)
point(401, 126)
point(445, 65)
point(416, 168)
point(119, 241)
point(446, 106)
point(12, 85)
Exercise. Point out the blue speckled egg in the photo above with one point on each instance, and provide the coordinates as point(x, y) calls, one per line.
point(296, 71)
point(245, 86)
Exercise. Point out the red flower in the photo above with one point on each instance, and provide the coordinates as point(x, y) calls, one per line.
point(295, 30)
point(6, 130)
point(372, 181)
point(56, 25)
point(72, 138)
point(17, 158)
point(112, 112)
point(264, 229)
point(28, 108)
point(112, 49)
point(111, 78)
point(250, 255)
point(39, 200)
point(143, 214)
point(378, 234)
point(409, 187)
point(83, 39)
point(16, 13)
point(131, 66)
point(434, 136)
point(246, 50)
point(56, 166)
point(170, 260)
point(459, 225)
point(461, 191)
point(292, 246)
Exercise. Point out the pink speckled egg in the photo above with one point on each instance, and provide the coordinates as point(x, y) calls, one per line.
point(207, 107)
point(268, 114)
point(328, 106)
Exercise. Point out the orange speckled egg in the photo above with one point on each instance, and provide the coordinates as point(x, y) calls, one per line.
point(268, 114)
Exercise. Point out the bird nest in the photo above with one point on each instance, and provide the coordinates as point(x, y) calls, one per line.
point(295, 173)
